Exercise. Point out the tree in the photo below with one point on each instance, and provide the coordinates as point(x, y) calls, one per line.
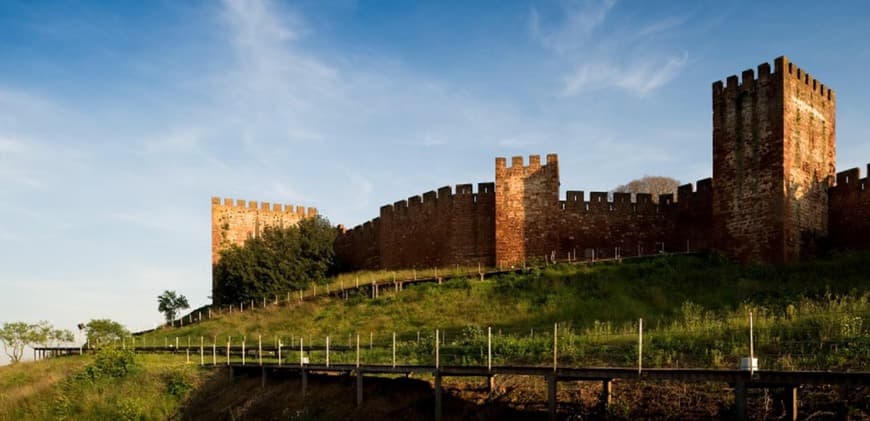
point(652, 184)
point(16, 336)
point(169, 303)
point(276, 261)
point(105, 331)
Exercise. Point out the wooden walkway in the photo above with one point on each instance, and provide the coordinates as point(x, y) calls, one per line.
point(739, 380)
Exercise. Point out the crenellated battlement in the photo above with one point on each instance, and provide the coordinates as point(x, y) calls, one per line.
point(782, 68)
point(518, 166)
point(850, 180)
point(299, 211)
point(788, 69)
point(233, 221)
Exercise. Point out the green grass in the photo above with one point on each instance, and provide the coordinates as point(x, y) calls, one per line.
point(147, 387)
point(695, 311)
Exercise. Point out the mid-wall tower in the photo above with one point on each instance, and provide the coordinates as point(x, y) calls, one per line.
point(773, 160)
point(526, 209)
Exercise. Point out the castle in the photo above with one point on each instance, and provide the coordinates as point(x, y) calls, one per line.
point(774, 197)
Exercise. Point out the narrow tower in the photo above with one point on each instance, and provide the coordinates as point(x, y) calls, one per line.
point(526, 205)
point(773, 159)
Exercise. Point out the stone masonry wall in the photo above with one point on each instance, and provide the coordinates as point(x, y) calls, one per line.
point(526, 209)
point(849, 212)
point(436, 229)
point(603, 228)
point(809, 128)
point(528, 221)
point(234, 222)
point(773, 155)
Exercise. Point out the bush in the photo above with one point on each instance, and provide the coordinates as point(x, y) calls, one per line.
point(110, 362)
point(276, 261)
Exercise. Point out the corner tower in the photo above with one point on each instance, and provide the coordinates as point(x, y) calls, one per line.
point(773, 159)
point(526, 205)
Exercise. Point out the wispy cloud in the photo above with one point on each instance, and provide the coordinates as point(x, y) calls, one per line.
point(597, 54)
point(641, 76)
point(579, 21)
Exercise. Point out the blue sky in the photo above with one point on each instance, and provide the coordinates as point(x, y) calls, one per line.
point(119, 120)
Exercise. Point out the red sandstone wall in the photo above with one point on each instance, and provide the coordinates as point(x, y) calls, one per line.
point(436, 229)
point(849, 214)
point(607, 228)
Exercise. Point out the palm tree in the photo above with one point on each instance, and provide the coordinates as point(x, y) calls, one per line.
point(169, 303)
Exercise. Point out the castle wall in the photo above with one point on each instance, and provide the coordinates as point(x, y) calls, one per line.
point(233, 222)
point(435, 229)
point(849, 212)
point(604, 228)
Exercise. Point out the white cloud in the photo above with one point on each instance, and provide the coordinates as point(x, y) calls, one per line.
point(597, 55)
point(581, 19)
point(640, 77)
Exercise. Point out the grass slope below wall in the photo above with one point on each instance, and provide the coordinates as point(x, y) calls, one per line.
point(694, 307)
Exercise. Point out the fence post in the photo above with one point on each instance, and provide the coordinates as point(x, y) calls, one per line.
point(301, 354)
point(327, 351)
point(371, 341)
point(279, 352)
point(394, 349)
point(260, 347)
point(214, 351)
point(201, 351)
point(437, 351)
point(229, 340)
point(357, 350)
point(555, 345)
point(243, 352)
point(751, 347)
point(639, 346)
point(489, 348)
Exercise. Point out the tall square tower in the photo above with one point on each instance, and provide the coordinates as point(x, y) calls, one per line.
point(773, 160)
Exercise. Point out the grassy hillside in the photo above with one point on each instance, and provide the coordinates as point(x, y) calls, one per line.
point(111, 385)
point(695, 311)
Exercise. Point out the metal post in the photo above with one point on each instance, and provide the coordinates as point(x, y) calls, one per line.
point(301, 354)
point(279, 352)
point(394, 349)
point(437, 351)
point(214, 351)
point(327, 351)
point(243, 352)
point(201, 351)
point(489, 348)
point(260, 347)
point(751, 348)
point(357, 350)
point(639, 346)
point(228, 350)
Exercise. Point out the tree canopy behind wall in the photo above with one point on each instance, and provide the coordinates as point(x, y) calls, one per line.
point(276, 261)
